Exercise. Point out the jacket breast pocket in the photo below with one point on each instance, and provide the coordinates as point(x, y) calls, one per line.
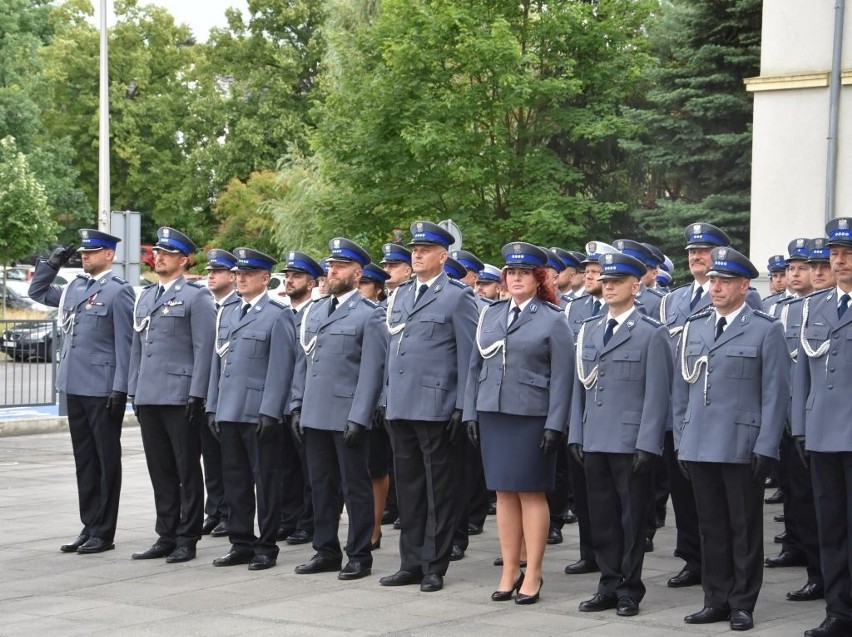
point(847, 346)
point(433, 326)
point(741, 361)
point(816, 334)
point(93, 318)
point(627, 364)
point(168, 318)
point(254, 344)
point(340, 339)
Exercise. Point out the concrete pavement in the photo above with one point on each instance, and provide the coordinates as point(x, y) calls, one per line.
point(45, 592)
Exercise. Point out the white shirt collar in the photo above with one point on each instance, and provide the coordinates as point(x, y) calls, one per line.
point(298, 308)
point(428, 284)
point(730, 318)
point(346, 296)
point(620, 318)
point(522, 306)
point(168, 285)
point(102, 275)
point(841, 293)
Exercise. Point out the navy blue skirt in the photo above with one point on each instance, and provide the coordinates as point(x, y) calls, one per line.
point(511, 455)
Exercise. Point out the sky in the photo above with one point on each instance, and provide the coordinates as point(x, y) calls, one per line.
point(200, 15)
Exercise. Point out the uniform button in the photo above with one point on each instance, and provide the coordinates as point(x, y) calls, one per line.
point(709, 369)
point(600, 388)
point(400, 371)
point(149, 354)
point(402, 353)
point(712, 356)
point(601, 374)
point(405, 334)
point(600, 404)
point(603, 358)
point(834, 352)
point(831, 386)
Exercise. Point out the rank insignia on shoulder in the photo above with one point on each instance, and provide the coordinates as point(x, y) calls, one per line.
point(194, 284)
point(277, 303)
point(762, 314)
point(552, 306)
point(651, 320)
point(458, 284)
point(119, 280)
point(372, 304)
point(702, 314)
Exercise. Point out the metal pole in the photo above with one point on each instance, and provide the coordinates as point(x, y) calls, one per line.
point(834, 112)
point(103, 136)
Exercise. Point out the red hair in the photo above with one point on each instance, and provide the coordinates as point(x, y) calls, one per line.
point(543, 290)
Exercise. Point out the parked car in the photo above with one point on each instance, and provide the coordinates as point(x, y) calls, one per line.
point(22, 289)
point(31, 340)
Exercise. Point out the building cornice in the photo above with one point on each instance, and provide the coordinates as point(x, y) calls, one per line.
point(791, 82)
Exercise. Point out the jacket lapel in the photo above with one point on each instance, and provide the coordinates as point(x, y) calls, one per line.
point(621, 335)
point(525, 316)
point(169, 294)
point(341, 311)
point(429, 295)
point(251, 315)
point(733, 330)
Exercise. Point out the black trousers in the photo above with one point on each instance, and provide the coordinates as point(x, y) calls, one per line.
point(832, 482)
point(557, 500)
point(173, 453)
point(730, 515)
point(297, 507)
point(800, 519)
point(581, 508)
point(252, 467)
point(426, 483)
point(211, 455)
point(96, 441)
point(618, 508)
point(336, 470)
point(461, 537)
point(688, 542)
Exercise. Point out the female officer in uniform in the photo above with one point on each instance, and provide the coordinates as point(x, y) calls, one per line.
point(516, 407)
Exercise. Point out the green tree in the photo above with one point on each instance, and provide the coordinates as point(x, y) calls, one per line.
point(242, 211)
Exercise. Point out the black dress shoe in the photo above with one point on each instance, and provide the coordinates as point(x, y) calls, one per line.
point(627, 607)
point(319, 564)
point(554, 536)
point(222, 529)
point(401, 578)
point(473, 529)
point(283, 533)
point(456, 553)
point(73, 545)
point(498, 561)
point(598, 603)
point(770, 483)
point(570, 517)
point(432, 583)
point(581, 567)
point(505, 596)
point(779, 518)
point(492, 508)
point(157, 550)
point(649, 545)
point(831, 627)
point(775, 498)
point(233, 558)
point(210, 523)
point(684, 578)
point(779, 539)
point(786, 558)
point(354, 570)
point(808, 593)
point(301, 537)
point(388, 517)
point(707, 615)
point(397, 524)
point(741, 619)
point(262, 562)
point(525, 600)
point(183, 553)
point(95, 545)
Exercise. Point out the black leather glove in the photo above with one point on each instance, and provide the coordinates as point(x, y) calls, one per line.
point(681, 464)
point(550, 441)
point(801, 451)
point(455, 427)
point(643, 462)
point(472, 428)
point(213, 426)
point(266, 427)
point(379, 418)
point(194, 412)
point(353, 434)
point(576, 451)
point(761, 467)
point(296, 427)
point(60, 256)
point(116, 404)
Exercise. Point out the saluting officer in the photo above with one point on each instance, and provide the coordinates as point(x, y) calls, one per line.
point(220, 282)
point(96, 320)
point(174, 323)
point(336, 389)
point(617, 434)
point(250, 379)
point(431, 323)
point(821, 415)
point(729, 403)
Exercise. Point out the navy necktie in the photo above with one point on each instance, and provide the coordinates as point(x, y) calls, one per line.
point(844, 305)
point(695, 299)
point(720, 326)
point(245, 309)
point(420, 292)
point(160, 290)
point(516, 312)
point(596, 308)
point(611, 324)
point(89, 284)
point(333, 305)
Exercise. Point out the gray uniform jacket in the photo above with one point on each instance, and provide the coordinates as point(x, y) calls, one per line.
point(580, 309)
point(650, 300)
point(769, 303)
point(822, 410)
point(340, 367)
point(530, 370)
point(97, 330)
point(738, 403)
point(252, 365)
point(627, 407)
point(429, 350)
point(172, 344)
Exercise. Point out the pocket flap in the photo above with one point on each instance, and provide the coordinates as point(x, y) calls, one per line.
point(254, 383)
point(255, 336)
point(178, 311)
point(99, 360)
point(744, 351)
point(179, 369)
point(99, 310)
point(434, 381)
point(529, 377)
point(694, 349)
point(589, 353)
point(433, 318)
point(629, 355)
point(816, 332)
point(746, 418)
point(631, 418)
point(342, 329)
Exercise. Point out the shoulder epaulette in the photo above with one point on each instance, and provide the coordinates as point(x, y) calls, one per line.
point(499, 301)
point(684, 285)
point(651, 320)
point(482, 299)
point(118, 279)
point(150, 285)
point(372, 304)
point(702, 314)
point(196, 284)
point(817, 292)
point(763, 314)
point(404, 283)
point(459, 284)
point(553, 306)
point(278, 304)
point(594, 318)
point(655, 292)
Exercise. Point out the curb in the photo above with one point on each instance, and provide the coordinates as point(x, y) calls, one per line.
point(47, 425)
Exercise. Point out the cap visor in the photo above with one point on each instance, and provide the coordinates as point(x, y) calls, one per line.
point(83, 249)
point(168, 250)
point(725, 275)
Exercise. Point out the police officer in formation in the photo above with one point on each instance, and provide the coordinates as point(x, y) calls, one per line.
point(250, 378)
point(169, 372)
point(336, 388)
point(95, 317)
point(489, 283)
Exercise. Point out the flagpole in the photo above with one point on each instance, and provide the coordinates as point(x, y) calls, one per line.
point(103, 135)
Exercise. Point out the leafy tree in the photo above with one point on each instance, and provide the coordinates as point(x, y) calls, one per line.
point(243, 213)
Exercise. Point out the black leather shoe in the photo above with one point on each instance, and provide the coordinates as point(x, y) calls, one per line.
point(786, 558)
point(222, 529)
point(779, 518)
point(505, 596)
point(262, 562)
point(388, 517)
point(73, 545)
point(581, 567)
point(157, 550)
point(431, 583)
point(627, 607)
point(473, 529)
point(707, 615)
point(401, 578)
point(770, 483)
point(457, 553)
point(831, 627)
point(397, 524)
point(210, 523)
point(233, 558)
point(95, 545)
point(319, 564)
point(182, 553)
point(283, 533)
point(649, 545)
point(741, 619)
point(779, 539)
point(598, 603)
point(492, 508)
point(775, 498)
point(498, 561)
point(808, 593)
point(301, 537)
point(684, 578)
point(570, 517)
point(354, 570)
point(525, 600)
point(554, 536)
